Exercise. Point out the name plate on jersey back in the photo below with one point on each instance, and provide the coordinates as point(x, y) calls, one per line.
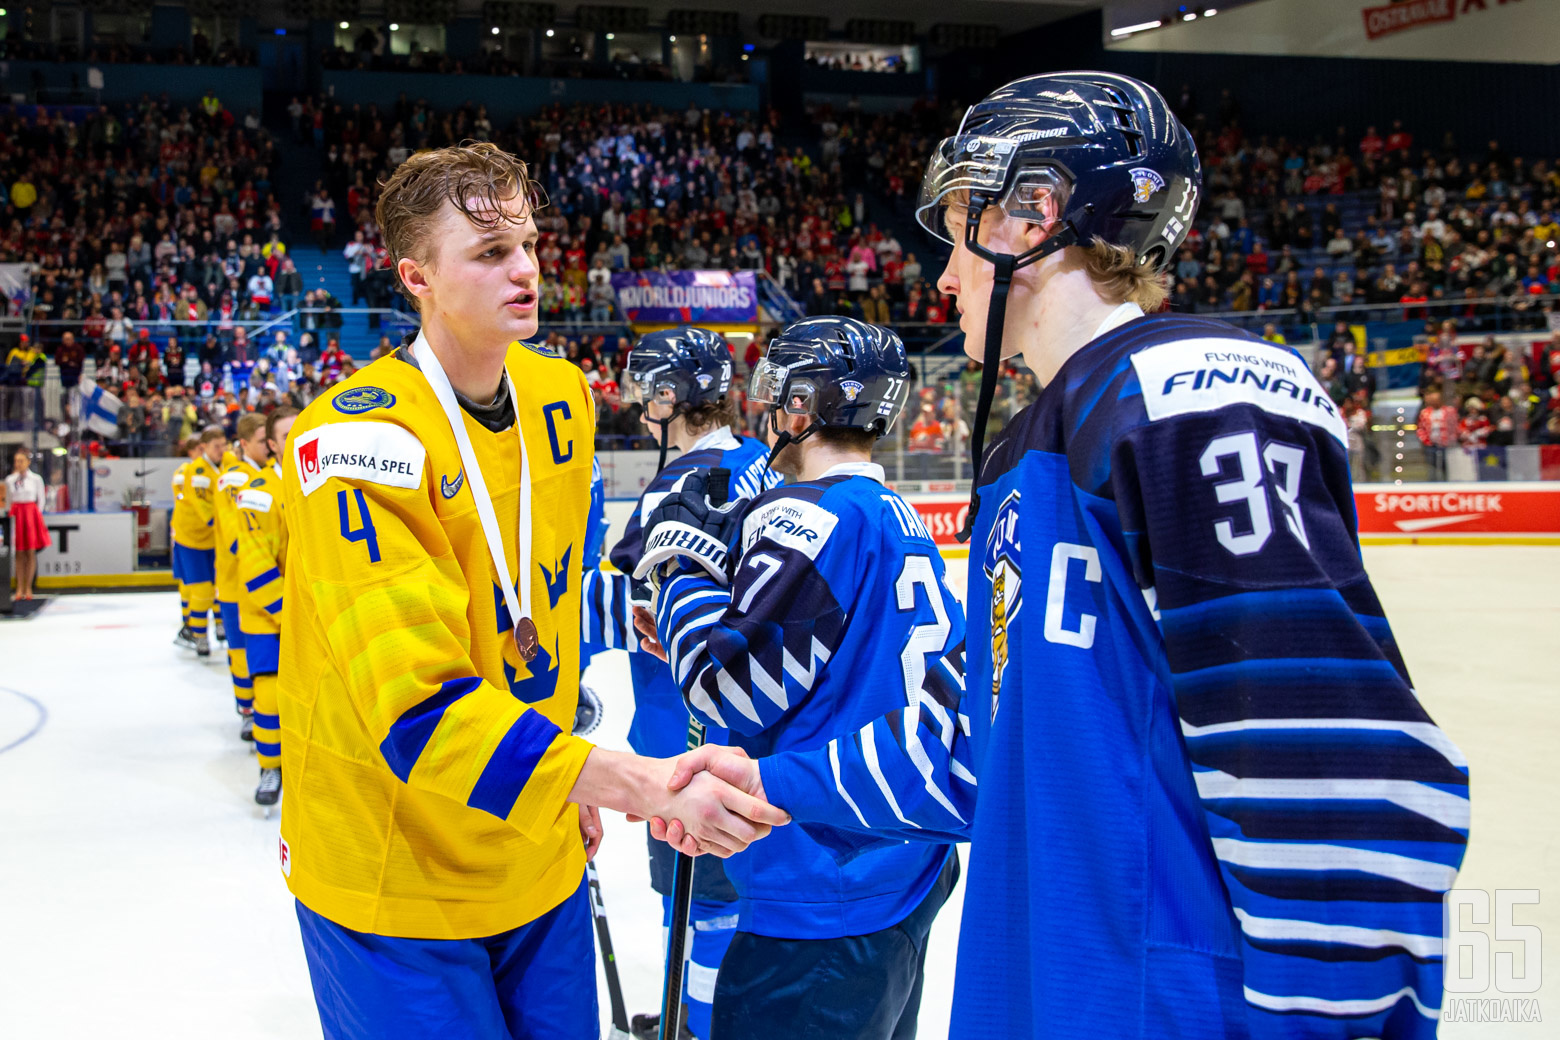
point(1202, 375)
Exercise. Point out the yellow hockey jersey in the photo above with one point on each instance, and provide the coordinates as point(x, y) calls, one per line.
point(262, 553)
point(178, 497)
point(193, 525)
point(235, 474)
point(427, 765)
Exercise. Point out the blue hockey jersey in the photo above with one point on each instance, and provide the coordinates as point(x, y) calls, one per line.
point(837, 615)
point(660, 724)
point(595, 521)
point(1210, 804)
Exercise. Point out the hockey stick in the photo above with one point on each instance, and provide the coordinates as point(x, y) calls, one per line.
point(682, 871)
point(598, 910)
point(682, 906)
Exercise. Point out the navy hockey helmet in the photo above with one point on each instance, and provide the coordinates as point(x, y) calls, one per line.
point(1102, 153)
point(844, 373)
point(1090, 156)
point(683, 367)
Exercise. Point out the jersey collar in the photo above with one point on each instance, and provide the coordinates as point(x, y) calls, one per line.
point(1118, 317)
point(721, 439)
point(870, 470)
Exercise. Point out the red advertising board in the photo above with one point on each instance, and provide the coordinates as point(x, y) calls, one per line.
point(943, 516)
point(1402, 511)
point(1492, 508)
point(1406, 14)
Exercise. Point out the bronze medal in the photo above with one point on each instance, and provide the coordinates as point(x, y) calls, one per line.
point(525, 639)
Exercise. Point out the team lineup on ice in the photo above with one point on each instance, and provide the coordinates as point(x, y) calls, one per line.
point(1159, 763)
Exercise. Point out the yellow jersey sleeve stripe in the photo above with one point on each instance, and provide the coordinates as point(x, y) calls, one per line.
point(509, 768)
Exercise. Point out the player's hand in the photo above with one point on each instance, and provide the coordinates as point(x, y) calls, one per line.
point(715, 816)
point(649, 639)
point(591, 832)
point(730, 764)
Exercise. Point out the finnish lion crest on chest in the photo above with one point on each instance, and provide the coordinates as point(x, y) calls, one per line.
point(1004, 570)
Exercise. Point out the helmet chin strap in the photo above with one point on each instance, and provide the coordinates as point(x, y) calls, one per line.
point(996, 319)
point(666, 437)
point(784, 437)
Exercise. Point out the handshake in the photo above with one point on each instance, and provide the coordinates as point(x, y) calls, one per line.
point(725, 771)
point(714, 803)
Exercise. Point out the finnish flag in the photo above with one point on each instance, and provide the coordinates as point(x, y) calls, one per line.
point(99, 408)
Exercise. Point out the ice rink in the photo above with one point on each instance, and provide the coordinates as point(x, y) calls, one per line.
point(139, 888)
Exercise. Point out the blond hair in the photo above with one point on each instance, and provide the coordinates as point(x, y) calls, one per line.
point(248, 423)
point(1120, 278)
point(476, 177)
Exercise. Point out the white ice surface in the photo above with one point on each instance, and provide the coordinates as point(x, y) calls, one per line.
point(139, 892)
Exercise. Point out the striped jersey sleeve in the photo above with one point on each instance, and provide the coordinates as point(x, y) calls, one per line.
point(607, 601)
point(745, 655)
point(907, 776)
point(1336, 808)
point(261, 545)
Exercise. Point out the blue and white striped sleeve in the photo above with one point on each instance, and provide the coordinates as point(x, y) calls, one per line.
point(607, 601)
point(744, 656)
point(1337, 809)
point(908, 776)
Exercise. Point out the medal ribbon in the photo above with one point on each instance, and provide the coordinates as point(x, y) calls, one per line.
point(519, 611)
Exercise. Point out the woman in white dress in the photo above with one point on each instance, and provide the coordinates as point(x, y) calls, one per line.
point(24, 496)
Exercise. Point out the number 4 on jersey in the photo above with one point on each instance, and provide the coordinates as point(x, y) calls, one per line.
point(1284, 462)
point(365, 533)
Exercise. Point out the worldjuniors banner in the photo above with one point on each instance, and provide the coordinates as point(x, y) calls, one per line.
point(687, 297)
point(1477, 509)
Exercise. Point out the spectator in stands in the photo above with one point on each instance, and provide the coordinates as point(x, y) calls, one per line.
point(1360, 379)
point(602, 298)
point(71, 358)
point(322, 217)
point(926, 433)
point(359, 253)
point(289, 285)
point(1474, 428)
point(174, 364)
point(260, 289)
point(1438, 429)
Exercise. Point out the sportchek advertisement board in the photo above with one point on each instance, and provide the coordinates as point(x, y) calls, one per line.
point(1482, 511)
point(1456, 509)
point(687, 297)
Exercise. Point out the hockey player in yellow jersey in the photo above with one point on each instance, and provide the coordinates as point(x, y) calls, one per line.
point(230, 457)
point(194, 534)
point(439, 811)
point(253, 454)
point(262, 561)
point(189, 447)
point(186, 448)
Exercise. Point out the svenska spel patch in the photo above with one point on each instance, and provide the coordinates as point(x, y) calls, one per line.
point(375, 452)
